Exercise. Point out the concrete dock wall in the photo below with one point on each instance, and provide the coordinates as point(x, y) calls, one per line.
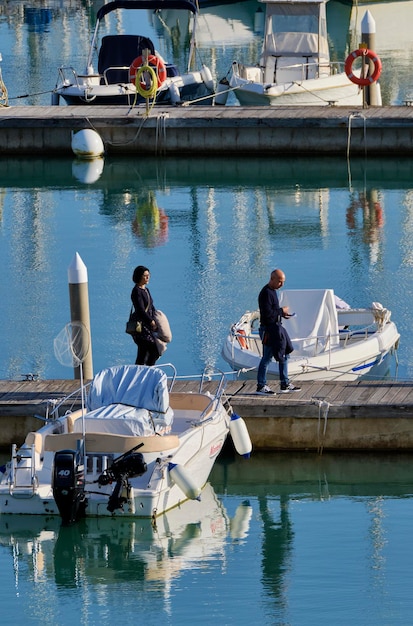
point(375, 131)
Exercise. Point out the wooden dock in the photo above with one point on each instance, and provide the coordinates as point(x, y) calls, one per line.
point(212, 130)
point(361, 415)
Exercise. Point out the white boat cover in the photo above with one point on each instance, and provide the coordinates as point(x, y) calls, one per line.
point(316, 323)
point(144, 391)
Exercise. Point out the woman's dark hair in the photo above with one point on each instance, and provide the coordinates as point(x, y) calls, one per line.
point(138, 272)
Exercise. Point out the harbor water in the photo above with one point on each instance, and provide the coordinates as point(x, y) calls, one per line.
point(283, 539)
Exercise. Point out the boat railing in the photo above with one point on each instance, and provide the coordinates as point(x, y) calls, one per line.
point(68, 76)
point(308, 346)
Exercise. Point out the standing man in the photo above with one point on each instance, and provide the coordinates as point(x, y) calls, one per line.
point(275, 340)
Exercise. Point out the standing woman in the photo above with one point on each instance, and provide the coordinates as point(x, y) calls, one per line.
point(143, 304)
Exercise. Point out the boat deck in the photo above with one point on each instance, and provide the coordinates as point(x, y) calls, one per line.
point(211, 130)
point(360, 415)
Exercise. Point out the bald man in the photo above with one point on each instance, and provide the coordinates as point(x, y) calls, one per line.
point(275, 339)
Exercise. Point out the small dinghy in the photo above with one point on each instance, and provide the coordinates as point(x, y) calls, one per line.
point(331, 340)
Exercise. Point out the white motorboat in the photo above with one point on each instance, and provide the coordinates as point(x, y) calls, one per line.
point(134, 448)
point(331, 340)
point(123, 77)
point(295, 66)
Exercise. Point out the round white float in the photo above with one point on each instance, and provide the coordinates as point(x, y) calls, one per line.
point(87, 144)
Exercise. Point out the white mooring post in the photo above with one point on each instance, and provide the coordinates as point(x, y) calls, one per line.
point(368, 36)
point(79, 310)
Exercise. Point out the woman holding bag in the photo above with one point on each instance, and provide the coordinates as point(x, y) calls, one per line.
point(142, 302)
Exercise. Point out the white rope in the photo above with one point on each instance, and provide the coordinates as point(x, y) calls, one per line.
point(323, 409)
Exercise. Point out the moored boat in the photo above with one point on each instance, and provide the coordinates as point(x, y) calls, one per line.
point(295, 66)
point(129, 68)
point(136, 449)
point(331, 340)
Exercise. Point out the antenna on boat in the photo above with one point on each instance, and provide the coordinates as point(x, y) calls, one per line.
point(71, 347)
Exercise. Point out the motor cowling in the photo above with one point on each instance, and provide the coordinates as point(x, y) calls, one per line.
point(68, 486)
point(128, 465)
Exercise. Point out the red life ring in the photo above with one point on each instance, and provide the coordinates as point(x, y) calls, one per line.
point(153, 61)
point(358, 80)
point(242, 338)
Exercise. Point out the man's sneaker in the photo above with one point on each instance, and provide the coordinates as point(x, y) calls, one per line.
point(289, 388)
point(265, 390)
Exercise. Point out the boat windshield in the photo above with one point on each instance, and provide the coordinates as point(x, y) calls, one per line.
point(296, 18)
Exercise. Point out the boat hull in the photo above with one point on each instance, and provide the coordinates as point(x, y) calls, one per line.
point(336, 89)
point(350, 343)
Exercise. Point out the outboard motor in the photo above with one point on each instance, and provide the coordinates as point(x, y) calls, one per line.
point(128, 465)
point(68, 486)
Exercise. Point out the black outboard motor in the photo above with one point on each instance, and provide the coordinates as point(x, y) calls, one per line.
point(68, 486)
point(126, 466)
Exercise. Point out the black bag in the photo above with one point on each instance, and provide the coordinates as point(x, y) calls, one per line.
point(133, 325)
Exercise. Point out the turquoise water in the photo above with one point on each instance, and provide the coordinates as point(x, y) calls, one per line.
point(210, 233)
point(284, 539)
point(287, 539)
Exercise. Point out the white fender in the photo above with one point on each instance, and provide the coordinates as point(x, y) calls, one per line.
point(240, 436)
point(181, 478)
point(174, 93)
point(206, 76)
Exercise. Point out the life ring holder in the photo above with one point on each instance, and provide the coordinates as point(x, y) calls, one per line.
point(154, 62)
point(358, 80)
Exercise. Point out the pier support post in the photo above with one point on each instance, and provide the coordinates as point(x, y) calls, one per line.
point(368, 37)
point(79, 310)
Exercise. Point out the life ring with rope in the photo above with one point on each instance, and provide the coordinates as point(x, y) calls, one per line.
point(242, 338)
point(155, 62)
point(359, 80)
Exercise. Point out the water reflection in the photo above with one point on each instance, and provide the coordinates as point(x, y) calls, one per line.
point(209, 229)
point(300, 524)
point(107, 551)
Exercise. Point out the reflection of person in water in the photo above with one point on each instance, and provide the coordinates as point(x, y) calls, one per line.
point(276, 547)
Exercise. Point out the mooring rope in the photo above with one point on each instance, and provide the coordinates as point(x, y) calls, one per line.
point(323, 409)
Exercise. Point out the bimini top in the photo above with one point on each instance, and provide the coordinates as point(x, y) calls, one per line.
point(154, 5)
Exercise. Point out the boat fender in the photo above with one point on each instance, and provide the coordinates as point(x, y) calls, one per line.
point(359, 80)
point(240, 436)
point(206, 76)
point(155, 62)
point(174, 94)
point(221, 95)
point(181, 478)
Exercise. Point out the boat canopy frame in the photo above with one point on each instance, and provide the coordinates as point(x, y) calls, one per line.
point(152, 5)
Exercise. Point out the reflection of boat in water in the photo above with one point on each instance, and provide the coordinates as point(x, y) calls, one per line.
point(108, 550)
point(150, 223)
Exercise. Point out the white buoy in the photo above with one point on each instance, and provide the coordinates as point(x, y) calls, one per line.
point(89, 171)
point(240, 436)
point(181, 478)
point(87, 144)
